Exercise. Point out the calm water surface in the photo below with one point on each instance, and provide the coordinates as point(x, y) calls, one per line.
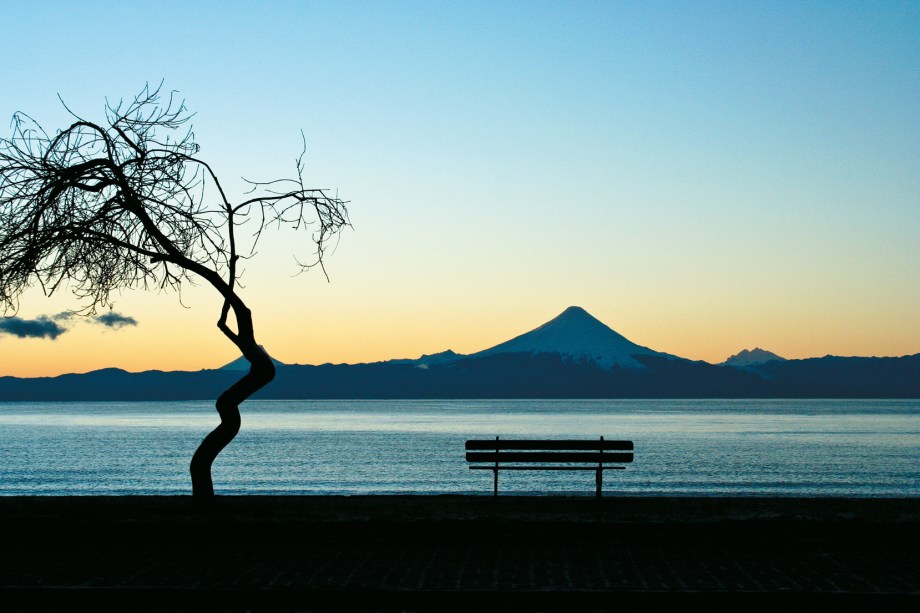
point(700, 447)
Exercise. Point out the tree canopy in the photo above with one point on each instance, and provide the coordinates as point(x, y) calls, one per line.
point(127, 202)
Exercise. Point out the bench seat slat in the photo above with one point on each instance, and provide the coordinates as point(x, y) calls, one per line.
point(548, 445)
point(540, 456)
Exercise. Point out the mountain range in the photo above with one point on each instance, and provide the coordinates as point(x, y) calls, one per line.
point(572, 356)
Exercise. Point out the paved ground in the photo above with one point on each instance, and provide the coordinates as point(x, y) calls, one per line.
point(458, 553)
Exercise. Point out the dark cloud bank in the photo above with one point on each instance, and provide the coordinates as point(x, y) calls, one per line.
point(114, 320)
point(50, 327)
point(43, 327)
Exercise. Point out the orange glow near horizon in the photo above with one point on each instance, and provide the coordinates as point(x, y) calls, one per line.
point(186, 339)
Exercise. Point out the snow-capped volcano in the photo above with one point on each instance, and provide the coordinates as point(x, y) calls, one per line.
point(575, 334)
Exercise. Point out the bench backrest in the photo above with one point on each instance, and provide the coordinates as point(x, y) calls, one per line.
point(597, 451)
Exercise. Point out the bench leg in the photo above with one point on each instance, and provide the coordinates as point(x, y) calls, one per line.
point(494, 482)
point(599, 480)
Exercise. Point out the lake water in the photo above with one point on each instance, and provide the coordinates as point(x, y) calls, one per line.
point(685, 447)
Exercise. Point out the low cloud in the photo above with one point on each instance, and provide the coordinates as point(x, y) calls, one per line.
point(115, 320)
point(43, 327)
point(51, 327)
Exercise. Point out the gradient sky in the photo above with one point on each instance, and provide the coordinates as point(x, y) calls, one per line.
point(703, 177)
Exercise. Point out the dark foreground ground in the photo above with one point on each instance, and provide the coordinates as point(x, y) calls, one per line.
point(459, 553)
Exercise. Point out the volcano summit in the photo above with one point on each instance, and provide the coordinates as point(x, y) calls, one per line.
point(577, 336)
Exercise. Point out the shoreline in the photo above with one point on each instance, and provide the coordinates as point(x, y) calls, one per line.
point(682, 518)
point(612, 506)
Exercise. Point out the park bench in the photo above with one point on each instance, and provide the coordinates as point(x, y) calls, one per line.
point(554, 454)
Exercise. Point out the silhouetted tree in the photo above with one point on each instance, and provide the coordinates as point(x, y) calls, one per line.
point(126, 203)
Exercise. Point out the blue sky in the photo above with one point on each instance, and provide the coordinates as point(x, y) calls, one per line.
point(702, 176)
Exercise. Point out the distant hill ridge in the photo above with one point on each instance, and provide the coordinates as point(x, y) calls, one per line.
point(572, 356)
point(241, 363)
point(750, 357)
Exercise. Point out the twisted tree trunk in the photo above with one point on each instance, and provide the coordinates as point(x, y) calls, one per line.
point(261, 372)
point(261, 369)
